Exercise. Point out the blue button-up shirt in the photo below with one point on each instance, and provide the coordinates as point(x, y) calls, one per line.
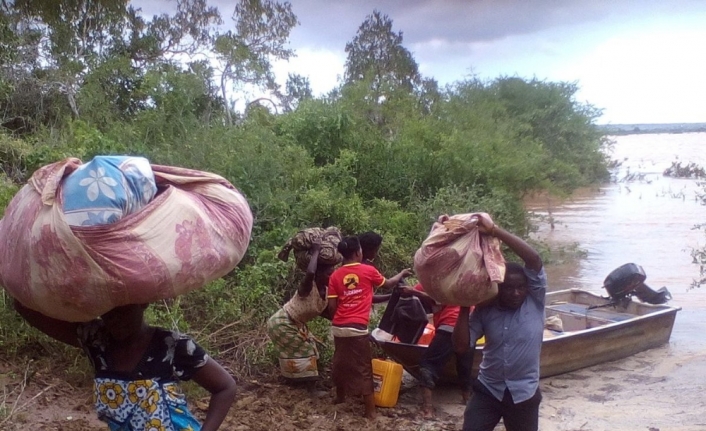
point(513, 342)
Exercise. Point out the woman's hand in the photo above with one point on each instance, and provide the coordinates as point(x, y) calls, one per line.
point(315, 245)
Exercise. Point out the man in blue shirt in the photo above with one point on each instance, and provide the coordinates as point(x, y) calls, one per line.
point(507, 387)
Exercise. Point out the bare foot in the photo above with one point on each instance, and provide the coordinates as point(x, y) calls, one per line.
point(465, 396)
point(427, 412)
point(340, 396)
point(370, 415)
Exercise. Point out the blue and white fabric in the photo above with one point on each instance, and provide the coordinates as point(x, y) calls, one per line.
point(107, 189)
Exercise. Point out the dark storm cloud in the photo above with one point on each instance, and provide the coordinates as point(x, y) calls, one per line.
point(330, 24)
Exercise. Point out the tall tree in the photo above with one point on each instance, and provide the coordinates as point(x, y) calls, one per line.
point(376, 53)
point(297, 89)
point(77, 36)
point(261, 33)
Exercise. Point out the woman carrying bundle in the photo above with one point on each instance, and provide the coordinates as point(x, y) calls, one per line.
point(288, 329)
point(350, 300)
point(137, 368)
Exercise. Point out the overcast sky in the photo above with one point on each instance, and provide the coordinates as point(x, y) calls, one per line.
point(640, 64)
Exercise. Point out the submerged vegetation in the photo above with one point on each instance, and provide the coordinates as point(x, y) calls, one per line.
point(686, 170)
point(386, 150)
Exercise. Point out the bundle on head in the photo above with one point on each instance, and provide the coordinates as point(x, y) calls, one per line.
point(458, 265)
point(301, 244)
point(81, 239)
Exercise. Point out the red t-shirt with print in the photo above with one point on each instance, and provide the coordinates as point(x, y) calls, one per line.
point(447, 314)
point(353, 286)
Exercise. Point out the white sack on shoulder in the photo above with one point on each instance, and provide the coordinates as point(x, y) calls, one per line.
point(458, 265)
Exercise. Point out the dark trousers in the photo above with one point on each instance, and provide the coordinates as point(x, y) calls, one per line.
point(484, 411)
point(437, 355)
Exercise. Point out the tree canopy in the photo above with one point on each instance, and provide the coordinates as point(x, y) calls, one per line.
point(386, 150)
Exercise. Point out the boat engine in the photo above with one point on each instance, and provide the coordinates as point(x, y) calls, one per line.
point(627, 281)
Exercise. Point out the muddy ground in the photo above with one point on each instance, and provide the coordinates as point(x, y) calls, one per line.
point(658, 390)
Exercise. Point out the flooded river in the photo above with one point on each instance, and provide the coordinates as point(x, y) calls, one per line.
point(645, 218)
point(642, 217)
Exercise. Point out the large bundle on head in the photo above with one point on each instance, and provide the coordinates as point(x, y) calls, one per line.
point(301, 244)
point(196, 229)
point(458, 265)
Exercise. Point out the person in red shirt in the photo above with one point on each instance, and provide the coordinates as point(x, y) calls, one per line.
point(440, 350)
point(350, 300)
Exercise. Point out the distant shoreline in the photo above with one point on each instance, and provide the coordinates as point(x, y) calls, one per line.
point(641, 129)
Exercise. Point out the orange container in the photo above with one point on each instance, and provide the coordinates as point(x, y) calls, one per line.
point(427, 335)
point(387, 379)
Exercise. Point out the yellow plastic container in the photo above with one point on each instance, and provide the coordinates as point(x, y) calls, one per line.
point(387, 378)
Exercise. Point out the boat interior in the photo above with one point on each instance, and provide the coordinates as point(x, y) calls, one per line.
point(576, 317)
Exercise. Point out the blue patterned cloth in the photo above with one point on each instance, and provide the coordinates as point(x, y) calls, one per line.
point(106, 189)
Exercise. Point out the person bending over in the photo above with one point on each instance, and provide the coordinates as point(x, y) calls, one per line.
point(288, 328)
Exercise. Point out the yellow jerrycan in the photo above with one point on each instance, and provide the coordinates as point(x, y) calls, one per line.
point(387, 379)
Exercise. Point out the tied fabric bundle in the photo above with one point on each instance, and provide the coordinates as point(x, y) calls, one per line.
point(301, 243)
point(456, 264)
point(195, 230)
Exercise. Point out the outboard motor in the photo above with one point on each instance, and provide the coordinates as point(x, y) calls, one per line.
point(629, 280)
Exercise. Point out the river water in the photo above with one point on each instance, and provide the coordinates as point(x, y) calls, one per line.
point(645, 218)
point(641, 216)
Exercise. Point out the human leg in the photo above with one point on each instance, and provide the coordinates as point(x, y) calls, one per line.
point(483, 411)
point(370, 410)
point(523, 416)
point(431, 366)
point(427, 406)
point(338, 370)
point(352, 370)
point(464, 364)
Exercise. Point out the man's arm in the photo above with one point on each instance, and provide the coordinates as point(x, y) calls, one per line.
point(378, 299)
point(523, 250)
point(332, 306)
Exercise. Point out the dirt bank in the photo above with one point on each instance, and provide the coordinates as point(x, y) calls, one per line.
point(658, 390)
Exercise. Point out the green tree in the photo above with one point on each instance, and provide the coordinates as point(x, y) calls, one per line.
point(262, 30)
point(70, 39)
point(564, 127)
point(376, 54)
point(297, 90)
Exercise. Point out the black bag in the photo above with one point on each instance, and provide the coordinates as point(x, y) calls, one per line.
point(409, 320)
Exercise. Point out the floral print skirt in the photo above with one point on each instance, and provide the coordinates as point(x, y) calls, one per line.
point(149, 405)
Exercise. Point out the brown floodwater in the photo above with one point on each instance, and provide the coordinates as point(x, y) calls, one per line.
point(641, 216)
